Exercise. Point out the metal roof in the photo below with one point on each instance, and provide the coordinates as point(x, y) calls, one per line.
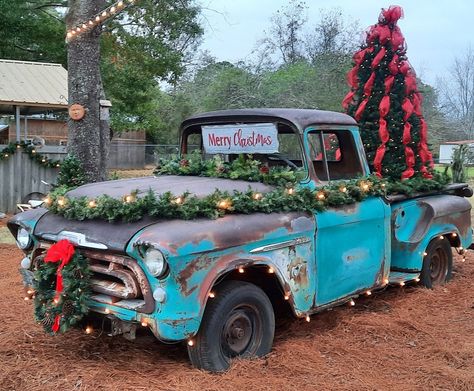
point(32, 85)
point(301, 118)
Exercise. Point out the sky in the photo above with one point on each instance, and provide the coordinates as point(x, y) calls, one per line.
point(435, 31)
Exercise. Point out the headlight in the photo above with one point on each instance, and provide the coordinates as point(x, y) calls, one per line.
point(155, 262)
point(23, 239)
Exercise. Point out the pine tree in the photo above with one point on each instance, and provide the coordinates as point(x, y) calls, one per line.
point(385, 100)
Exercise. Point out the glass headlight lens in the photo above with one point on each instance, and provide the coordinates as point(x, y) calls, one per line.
point(155, 262)
point(23, 239)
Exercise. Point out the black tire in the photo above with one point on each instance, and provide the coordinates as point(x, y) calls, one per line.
point(437, 263)
point(238, 322)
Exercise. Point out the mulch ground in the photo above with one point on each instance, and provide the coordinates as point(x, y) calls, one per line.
point(403, 338)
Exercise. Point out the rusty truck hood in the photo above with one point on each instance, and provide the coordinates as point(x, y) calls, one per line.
point(115, 236)
point(200, 186)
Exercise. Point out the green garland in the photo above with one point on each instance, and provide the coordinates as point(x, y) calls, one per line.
point(244, 168)
point(31, 151)
point(72, 304)
point(218, 204)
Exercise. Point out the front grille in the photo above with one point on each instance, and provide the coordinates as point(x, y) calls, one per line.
point(116, 279)
point(119, 280)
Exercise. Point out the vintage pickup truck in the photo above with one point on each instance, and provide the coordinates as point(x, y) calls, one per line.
point(217, 284)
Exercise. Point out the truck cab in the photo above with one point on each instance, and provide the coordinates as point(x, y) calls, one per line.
point(221, 282)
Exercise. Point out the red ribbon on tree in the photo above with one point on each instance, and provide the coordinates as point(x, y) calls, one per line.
point(384, 137)
point(410, 83)
point(384, 106)
point(378, 58)
point(62, 252)
point(409, 154)
point(393, 65)
point(407, 108)
point(416, 100)
point(348, 99)
point(397, 38)
point(404, 67)
point(369, 84)
point(388, 83)
point(360, 109)
point(392, 14)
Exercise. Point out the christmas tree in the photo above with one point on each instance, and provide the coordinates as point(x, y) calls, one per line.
point(385, 100)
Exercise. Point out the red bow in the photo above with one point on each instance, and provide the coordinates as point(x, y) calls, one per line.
point(62, 251)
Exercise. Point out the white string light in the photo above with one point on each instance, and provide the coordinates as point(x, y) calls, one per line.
point(97, 19)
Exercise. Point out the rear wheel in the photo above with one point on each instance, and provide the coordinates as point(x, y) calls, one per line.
point(238, 322)
point(437, 264)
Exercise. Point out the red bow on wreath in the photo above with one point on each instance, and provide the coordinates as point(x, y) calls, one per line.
point(62, 251)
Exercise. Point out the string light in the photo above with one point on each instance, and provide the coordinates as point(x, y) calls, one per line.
point(308, 319)
point(257, 196)
point(402, 283)
point(241, 269)
point(100, 17)
point(454, 234)
point(320, 195)
point(178, 200)
point(107, 311)
point(417, 279)
point(368, 293)
point(26, 298)
point(129, 198)
point(425, 254)
point(88, 330)
point(270, 270)
point(386, 281)
point(352, 303)
point(287, 297)
point(441, 237)
point(224, 204)
point(144, 323)
point(290, 191)
point(212, 295)
point(190, 342)
point(92, 204)
point(61, 201)
point(343, 189)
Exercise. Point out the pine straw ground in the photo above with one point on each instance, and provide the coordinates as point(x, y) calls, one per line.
point(404, 338)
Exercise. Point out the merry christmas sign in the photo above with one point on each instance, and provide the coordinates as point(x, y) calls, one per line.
point(245, 138)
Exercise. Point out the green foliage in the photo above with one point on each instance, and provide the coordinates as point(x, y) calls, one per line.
point(72, 304)
point(71, 173)
point(32, 30)
point(243, 168)
point(12, 148)
point(286, 196)
point(142, 45)
point(458, 166)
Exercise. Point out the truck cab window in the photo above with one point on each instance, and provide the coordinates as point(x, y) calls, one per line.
point(336, 148)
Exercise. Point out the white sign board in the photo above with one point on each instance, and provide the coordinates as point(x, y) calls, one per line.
point(245, 138)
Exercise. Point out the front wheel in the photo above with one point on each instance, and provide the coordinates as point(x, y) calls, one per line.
point(437, 263)
point(238, 322)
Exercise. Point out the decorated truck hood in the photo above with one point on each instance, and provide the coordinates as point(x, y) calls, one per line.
point(114, 236)
point(199, 186)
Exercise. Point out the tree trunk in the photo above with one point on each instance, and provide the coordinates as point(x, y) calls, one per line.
point(89, 137)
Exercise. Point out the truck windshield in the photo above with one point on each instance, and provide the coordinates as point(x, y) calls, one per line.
point(281, 148)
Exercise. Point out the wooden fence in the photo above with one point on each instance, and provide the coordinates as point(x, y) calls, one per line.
point(20, 176)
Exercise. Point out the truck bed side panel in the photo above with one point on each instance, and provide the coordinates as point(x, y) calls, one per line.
point(416, 222)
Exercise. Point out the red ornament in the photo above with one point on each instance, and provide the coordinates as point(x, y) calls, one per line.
point(264, 170)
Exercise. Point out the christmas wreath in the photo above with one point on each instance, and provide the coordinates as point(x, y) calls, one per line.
point(62, 287)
